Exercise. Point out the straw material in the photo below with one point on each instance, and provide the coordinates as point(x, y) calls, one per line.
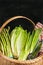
point(7, 61)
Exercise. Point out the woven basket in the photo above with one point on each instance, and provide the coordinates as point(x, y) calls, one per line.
point(7, 61)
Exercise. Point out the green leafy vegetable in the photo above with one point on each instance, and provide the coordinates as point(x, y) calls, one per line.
point(27, 47)
point(35, 52)
point(18, 40)
point(20, 44)
point(35, 38)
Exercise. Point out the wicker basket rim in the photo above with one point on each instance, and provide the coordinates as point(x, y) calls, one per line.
point(21, 61)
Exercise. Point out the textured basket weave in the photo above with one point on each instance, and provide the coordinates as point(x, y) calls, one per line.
point(7, 61)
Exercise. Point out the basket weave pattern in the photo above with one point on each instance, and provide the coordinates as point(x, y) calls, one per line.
point(7, 61)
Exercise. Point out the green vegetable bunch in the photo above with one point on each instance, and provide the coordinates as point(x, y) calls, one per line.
point(5, 44)
point(19, 43)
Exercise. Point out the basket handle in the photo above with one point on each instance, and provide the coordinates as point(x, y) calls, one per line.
point(13, 18)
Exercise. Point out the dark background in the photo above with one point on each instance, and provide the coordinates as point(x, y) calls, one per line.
point(30, 8)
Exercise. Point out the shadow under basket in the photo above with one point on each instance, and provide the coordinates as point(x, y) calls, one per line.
point(8, 61)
